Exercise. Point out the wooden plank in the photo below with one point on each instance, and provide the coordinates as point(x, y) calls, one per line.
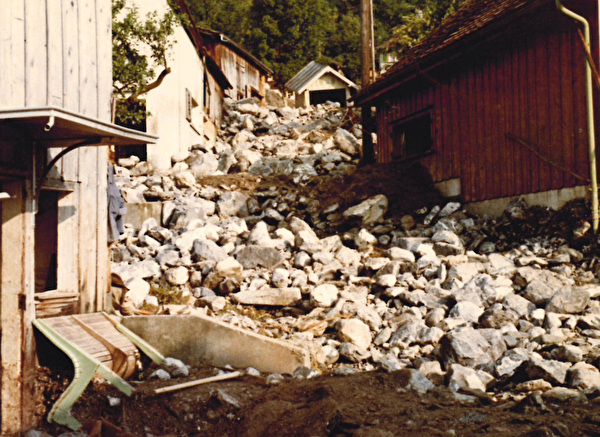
point(104, 38)
point(543, 103)
point(87, 205)
point(70, 32)
point(567, 120)
point(505, 91)
point(454, 122)
point(579, 108)
point(463, 126)
point(68, 248)
point(533, 113)
point(17, 310)
point(487, 147)
point(54, 70)
point(15, 80)
point(88, 60)
point(36, 54)
point(104, 63)
point(102, 252)
point(524, 176)
point(104, 66)
point(496, 184)
point(555, 132)
point(55, 53)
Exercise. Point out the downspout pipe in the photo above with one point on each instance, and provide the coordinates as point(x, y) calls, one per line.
point(590, 112)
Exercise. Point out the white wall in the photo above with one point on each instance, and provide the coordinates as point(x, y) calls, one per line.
point(167, 103)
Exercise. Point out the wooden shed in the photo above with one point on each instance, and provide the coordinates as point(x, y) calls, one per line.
point(55, 103)
point(493, 103)
point(246, 74)
point(318, 83)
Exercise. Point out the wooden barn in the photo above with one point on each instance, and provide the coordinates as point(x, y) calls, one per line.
point(55, 112)
point(318, 83)
point(493, 103)
point(246, 74)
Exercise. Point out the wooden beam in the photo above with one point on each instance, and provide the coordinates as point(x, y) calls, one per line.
point(17, 308)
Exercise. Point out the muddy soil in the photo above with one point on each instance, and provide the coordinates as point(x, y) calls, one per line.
point(365, 404)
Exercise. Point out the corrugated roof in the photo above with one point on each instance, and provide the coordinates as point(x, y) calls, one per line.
point(236, 47)
point(472, 17)
point(312, 72)
point(304, 76)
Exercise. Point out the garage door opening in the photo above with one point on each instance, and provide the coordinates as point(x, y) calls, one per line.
point(322, 96)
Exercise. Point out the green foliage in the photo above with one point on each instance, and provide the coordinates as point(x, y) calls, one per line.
point(140, 48)
point(425, 16)
point(287, 34)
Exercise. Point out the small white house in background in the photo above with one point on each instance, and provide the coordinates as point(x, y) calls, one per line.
point(186, 109)
point(318, 83)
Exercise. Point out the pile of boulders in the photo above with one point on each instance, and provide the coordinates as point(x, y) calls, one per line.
point(425, 291)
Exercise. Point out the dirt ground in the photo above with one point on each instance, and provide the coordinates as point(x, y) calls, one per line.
point(366, 404)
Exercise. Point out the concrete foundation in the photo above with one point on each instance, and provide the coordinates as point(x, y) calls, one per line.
point(201, 340)
point(554, 199)
point(137, 213)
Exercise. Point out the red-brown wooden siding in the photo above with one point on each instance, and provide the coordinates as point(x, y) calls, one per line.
point(530, 85)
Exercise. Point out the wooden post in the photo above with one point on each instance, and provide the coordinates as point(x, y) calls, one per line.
point(365, 41)
point(17, 308)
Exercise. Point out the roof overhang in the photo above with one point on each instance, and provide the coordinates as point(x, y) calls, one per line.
point(396, 77)
point(57, 127)
point(317, 75)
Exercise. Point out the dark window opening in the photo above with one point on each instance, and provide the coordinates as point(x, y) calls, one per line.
point(322, 96)
point(412, 137)
point(46, 241)
point(137, 122)
point(206, 94)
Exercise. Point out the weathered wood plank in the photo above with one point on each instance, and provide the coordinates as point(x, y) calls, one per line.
point(17, 310)
point(68, 248)
point(104, 38)
point(88, 200)
point(36, 54)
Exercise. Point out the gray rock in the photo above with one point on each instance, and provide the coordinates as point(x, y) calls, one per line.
point(583, 376)
point(232, 204)
point(346, 142)
point(416, 381)
point(259, 235)
point(355, 332)
point(184, 179)
point(308, 241)
point(541, 289)
point(468, 347)
point(175, 367)
point(259, 256)
point(521, 306)
point(569, 301)
point(269, 296)
point(324, 295)
point(552, 371)
point(370, 211)
point(207, 250)
point(353, 353)
point(177, 276)
point(497, 316)
point(160, 374)
point(467, 311)
point(461, 378)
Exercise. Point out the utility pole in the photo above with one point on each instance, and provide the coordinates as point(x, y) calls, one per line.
point(365, 41)
point(367, 60)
